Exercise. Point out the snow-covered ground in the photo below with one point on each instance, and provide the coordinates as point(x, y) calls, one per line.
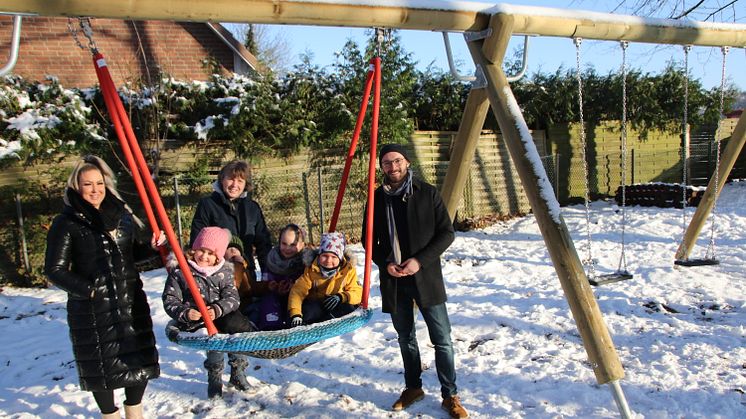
point(680, 333)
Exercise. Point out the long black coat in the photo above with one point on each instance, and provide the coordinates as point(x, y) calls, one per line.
point(243, 217)
point(430, 232)
point(111, 332)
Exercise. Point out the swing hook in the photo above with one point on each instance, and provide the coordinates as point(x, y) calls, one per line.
point(382, 35)
point(85, 27)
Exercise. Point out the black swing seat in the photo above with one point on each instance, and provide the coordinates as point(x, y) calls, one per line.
point(274, 344)
point(696, 262)
point(609, 278)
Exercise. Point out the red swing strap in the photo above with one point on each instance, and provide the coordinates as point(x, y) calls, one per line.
point(140, 172)
point(374, 75)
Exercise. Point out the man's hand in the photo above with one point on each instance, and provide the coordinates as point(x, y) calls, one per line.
point(409, 267)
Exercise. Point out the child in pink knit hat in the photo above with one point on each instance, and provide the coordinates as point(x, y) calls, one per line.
point(214, 278)
point(328, 287)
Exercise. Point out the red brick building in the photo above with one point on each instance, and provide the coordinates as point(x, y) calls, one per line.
point(134, 50)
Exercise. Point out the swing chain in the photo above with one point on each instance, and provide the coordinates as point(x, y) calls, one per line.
point(74, 32)
point(623, 178)
point(85, 24)
point(383, 35)
point(85, 27)
point(589, 254)
point(685, 142)
point(710, 254)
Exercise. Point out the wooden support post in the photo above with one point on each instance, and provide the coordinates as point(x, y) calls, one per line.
point(463, 149)
point(596, 338)
point(727, 160)
point(472, 122)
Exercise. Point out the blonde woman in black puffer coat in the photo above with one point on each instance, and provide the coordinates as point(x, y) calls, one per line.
point(90, 254)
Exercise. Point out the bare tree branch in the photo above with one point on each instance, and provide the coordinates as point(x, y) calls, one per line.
point(691, 9)
point(720, 9)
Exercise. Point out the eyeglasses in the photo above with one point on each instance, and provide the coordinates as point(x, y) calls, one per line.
point(391, 163)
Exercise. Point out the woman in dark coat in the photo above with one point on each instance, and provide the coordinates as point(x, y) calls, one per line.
point(89, 254)
point(230, 206)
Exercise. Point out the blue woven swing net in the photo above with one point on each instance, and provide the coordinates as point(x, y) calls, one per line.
point(297, 337)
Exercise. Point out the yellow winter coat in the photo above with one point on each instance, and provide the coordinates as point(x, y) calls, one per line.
point(312, 285)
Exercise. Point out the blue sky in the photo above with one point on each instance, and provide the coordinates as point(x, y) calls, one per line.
point(545, 53)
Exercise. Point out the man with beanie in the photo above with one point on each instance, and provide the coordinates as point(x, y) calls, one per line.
point(328, 287)
point(411, 229)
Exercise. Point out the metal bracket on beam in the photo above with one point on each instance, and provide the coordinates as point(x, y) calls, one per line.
point(471, 36)
point(479, 80)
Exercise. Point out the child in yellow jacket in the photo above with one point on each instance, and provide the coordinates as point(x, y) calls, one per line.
point(328, 287)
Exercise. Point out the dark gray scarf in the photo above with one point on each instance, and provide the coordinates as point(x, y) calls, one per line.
point(291, 268)
point(404, 191)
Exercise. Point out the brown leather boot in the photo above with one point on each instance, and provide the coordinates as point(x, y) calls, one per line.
point(408, 397)
point(452, 405)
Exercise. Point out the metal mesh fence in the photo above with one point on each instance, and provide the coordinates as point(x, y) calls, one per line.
point(296, 191)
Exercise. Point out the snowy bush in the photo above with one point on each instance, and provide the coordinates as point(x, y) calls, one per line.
point(41, 120)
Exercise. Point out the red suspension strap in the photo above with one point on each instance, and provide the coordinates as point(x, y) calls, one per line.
point(140, 172)
point(371, 182)
point(353, 145)
point(373, 78)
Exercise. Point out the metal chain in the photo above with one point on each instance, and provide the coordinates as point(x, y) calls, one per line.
point(623, 257)
point(589, 253)
point(711, 247)
point(685, 140)
point(85, 25)
point(383, 35)
point(74, 32)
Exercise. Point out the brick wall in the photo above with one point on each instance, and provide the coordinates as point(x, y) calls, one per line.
point(130, 47)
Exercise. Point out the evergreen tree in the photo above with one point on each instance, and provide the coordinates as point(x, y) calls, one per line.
point(250, 41)
point(398, 83)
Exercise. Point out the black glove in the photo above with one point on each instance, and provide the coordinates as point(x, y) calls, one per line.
point(331, 302)
point(296, 321)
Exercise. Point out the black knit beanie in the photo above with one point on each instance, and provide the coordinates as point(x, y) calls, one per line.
point(388, 148)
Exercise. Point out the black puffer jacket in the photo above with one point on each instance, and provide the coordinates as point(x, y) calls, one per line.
point(111, 331)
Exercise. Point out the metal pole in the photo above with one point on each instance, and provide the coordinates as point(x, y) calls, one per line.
point(556, 174)
point(178, 208)
point(321, 202)
point(621, 401)
point(309, 224)
point(26, 263)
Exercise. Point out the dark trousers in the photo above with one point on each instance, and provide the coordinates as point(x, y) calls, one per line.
point(105, 399)
point(439, 329)
point(233, 322)
point(313, 311)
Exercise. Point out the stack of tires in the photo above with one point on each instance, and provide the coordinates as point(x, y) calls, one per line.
point(662, 195)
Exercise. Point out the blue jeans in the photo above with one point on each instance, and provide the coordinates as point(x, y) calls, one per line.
point(439, 329)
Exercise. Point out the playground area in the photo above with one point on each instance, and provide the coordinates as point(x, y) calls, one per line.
point(678, 331)
point(532, 338)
